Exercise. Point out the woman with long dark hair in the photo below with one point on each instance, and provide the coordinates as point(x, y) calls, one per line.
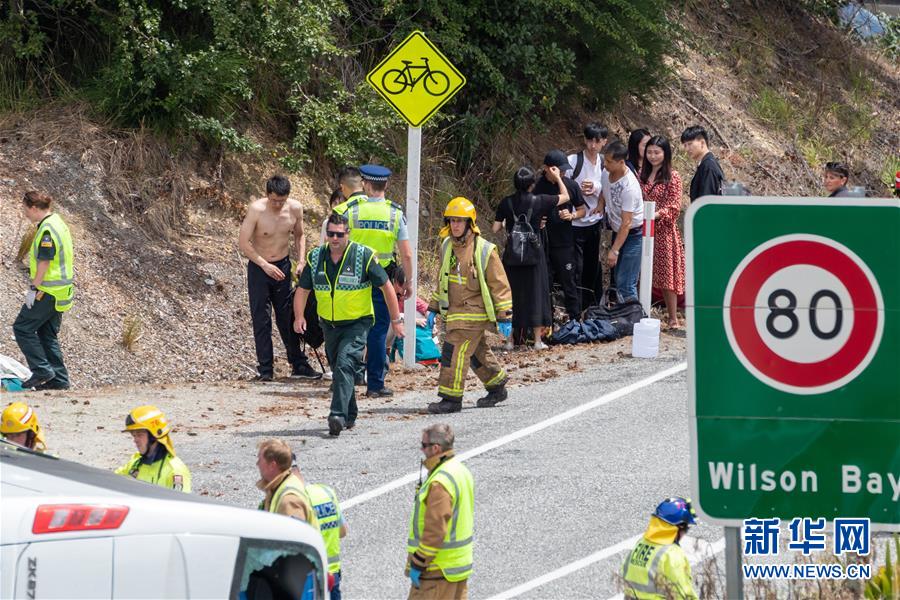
point(530, 284)
point(637, 141)
point(662, 184)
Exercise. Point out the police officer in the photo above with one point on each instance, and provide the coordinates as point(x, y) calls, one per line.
point(378, 223)
point(50, 266)
point(473, 295)
point(155, 461)
point(351, 184)
point(285, 491)
point(19, 425)
point(331, 524)
point(344, 276)
point(658, 568)
point(442, 523)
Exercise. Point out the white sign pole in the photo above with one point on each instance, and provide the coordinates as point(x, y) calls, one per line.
point(413, 179)
point(647, 256)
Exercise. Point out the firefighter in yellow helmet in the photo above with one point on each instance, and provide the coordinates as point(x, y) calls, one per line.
point(19, 425)
point(473, 296)
point(155, 461)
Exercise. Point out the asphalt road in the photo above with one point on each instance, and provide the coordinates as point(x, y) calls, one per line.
point(563, 470)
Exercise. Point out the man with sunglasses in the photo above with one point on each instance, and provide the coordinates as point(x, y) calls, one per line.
point(439, 546)
point(342, 274)
point(378, 223)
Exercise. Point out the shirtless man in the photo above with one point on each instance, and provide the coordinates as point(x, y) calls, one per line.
point(265, 239)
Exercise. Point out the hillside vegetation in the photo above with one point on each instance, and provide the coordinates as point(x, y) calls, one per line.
point(153, 123)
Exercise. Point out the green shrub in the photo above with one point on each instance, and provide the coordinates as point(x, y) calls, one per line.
point(211, 67)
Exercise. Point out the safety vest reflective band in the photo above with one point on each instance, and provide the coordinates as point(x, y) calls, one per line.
point(169, 472)
point(482, 254)
point(328, 512)
point(648, 577)
point(375, 224)
point(349, 297)
point(60, 275)
point(293, 485)
point(454, 557)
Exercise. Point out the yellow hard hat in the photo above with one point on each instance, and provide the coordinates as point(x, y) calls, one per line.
point(152, 420)
point(19, 417)
point(462, 208)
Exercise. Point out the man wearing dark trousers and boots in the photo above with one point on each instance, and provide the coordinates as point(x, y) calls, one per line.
point(50, 265)
point(561, 234)
point(265, 239)
point(379, 224)
point(342, 275)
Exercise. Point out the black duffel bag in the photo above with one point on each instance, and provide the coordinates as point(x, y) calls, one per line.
point(622, 314)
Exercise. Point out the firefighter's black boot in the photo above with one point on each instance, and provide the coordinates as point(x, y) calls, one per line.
point(445, 406)
point(493, 397)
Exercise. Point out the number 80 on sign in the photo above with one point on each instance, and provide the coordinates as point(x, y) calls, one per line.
point(803, 313)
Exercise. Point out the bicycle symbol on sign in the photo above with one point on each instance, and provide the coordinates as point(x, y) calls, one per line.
point(396, 81)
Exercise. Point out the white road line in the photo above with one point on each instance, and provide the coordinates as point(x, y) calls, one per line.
point(714, 549)
point(516, 435)
point(569, 568)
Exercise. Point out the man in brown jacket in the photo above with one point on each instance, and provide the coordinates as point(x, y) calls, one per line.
point(473, 295)
point(285, 492)
point(439, 548)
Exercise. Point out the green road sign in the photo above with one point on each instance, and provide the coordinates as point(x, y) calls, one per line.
point(793, 311)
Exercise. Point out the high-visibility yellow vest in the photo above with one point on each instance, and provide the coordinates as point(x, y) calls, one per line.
point(349, 297)
point(170, 472)
point(657, 572)
point(482, 254)
point(454, 557)
point(293, 485)
point(342, 207)
point(328, 512)
point(375, 224)
point(60, 275)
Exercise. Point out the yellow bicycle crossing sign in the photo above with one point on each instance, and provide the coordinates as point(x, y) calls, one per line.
point(416, 79)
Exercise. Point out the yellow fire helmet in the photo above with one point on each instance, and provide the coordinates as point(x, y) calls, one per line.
point(152, 420)
point(19, 417)
point(461, 208)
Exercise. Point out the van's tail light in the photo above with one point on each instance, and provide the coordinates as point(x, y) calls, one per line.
point(53, 518)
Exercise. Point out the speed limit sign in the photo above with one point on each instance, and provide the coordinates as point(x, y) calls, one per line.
point(803, 313)
point(793, 317)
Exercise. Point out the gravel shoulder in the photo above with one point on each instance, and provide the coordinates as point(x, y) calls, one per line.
point(213, 419)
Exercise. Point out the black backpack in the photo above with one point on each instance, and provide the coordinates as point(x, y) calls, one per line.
point(523, 246)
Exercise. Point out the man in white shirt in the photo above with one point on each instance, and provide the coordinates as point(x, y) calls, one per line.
point(587, 170)
point(622, 202)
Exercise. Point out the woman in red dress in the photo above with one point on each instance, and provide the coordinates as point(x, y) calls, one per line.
point(661, 184)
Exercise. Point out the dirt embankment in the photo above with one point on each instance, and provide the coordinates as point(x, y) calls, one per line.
point(161, 286)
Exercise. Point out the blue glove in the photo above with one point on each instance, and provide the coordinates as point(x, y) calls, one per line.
point(505, 328)
point(415, 574)
point(430, 322)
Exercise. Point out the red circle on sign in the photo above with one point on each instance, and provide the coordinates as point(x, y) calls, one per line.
point(742, 307)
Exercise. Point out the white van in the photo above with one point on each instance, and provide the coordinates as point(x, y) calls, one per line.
point(72, 531)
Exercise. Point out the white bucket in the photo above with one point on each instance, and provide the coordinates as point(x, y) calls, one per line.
point(645, 339)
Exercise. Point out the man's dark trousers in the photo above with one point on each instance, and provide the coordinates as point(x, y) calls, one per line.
point(344, 346)
point(36, 331)
point(376, 359)
point(266, 294)
point(562, 260)
point(587, 261)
